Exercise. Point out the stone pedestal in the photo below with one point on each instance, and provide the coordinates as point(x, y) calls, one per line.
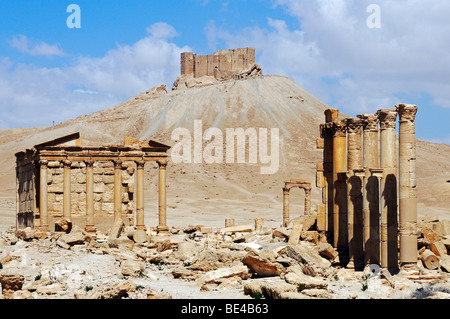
point(407, 184)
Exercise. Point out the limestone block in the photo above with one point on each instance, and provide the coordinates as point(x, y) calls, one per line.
point(99, 188)
point(262, 266)
point(98, 178)
point(108, 171)
point(108, 179)
point(81, 178)
point(303, 281)
point(438, 248)
point(107, 207)
point(214, 276)
point(131, 267)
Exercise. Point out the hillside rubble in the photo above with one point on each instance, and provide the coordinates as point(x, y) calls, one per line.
point(233, 262)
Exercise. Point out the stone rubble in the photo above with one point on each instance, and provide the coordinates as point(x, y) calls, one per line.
point(268, 264)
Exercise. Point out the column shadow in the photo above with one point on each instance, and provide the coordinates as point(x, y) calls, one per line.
point(356, 244)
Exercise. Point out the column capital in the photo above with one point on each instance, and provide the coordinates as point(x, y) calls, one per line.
point(89, 163)
point(336, 129)
point(354, 125)
point(406, 112)
point(370, 122)
point(387, 118)
point(117, 163)
point(66, 163)
point(140, 164)
point(43, 162)
point(162, 163)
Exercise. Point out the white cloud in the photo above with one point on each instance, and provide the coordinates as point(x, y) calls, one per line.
point(368, 67)
point(36, 96)
point(24, 45)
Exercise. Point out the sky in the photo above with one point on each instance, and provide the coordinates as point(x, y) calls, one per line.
point(355, 55)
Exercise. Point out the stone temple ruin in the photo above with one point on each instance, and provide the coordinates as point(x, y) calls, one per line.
point(360, 211)
point(90, 186)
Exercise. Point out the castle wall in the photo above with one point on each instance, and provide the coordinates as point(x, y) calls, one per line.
point(234, 60)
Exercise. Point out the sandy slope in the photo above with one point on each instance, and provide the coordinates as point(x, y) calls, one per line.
point(208, 193)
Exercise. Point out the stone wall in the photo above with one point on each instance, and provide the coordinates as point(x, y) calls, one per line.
point(234, 60)
point(103, 188)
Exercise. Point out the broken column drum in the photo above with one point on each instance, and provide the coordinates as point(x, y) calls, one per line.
point(407, 184)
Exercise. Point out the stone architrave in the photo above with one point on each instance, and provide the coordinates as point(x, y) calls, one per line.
point(407, 184)
point(388, 162)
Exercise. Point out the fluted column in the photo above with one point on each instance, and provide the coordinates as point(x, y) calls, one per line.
point(43, 195)
point(354, 190)
point(370, 189)
point(90, 223)
point(162, 227)
point(285, 206)
point(407, 184)
point(67, 190)
point(388, 162)
point(140, 224)
point(117, 190)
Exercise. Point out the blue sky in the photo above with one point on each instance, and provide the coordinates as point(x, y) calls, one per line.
point(49, 72)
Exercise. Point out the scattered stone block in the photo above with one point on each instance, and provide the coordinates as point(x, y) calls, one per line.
point(262, 267)
point(438, 248)
point(237, 229)
point(63, 225)
point(26, 234)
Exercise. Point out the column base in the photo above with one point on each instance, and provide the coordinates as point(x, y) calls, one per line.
point(141, 227)
point(162, 230)
point(91, 229)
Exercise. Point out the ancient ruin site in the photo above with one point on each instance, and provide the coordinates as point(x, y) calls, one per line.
point(232, 184)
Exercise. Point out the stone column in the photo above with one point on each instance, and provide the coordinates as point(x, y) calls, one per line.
point(370, 189)
point(90, 223)
point(117, 190)
point(307, 201)
point(407, 184)
point(388, 162)
point(285, 206)
point(43, 195)
point(67, 190)
point(354, 190)
point(339, 167)
point(162, 227)
point(331, 115)
point(140, 224)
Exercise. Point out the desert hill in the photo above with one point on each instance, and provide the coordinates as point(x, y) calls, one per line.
point(201, 193)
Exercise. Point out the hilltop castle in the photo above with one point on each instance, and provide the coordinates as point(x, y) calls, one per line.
point(223, 65)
